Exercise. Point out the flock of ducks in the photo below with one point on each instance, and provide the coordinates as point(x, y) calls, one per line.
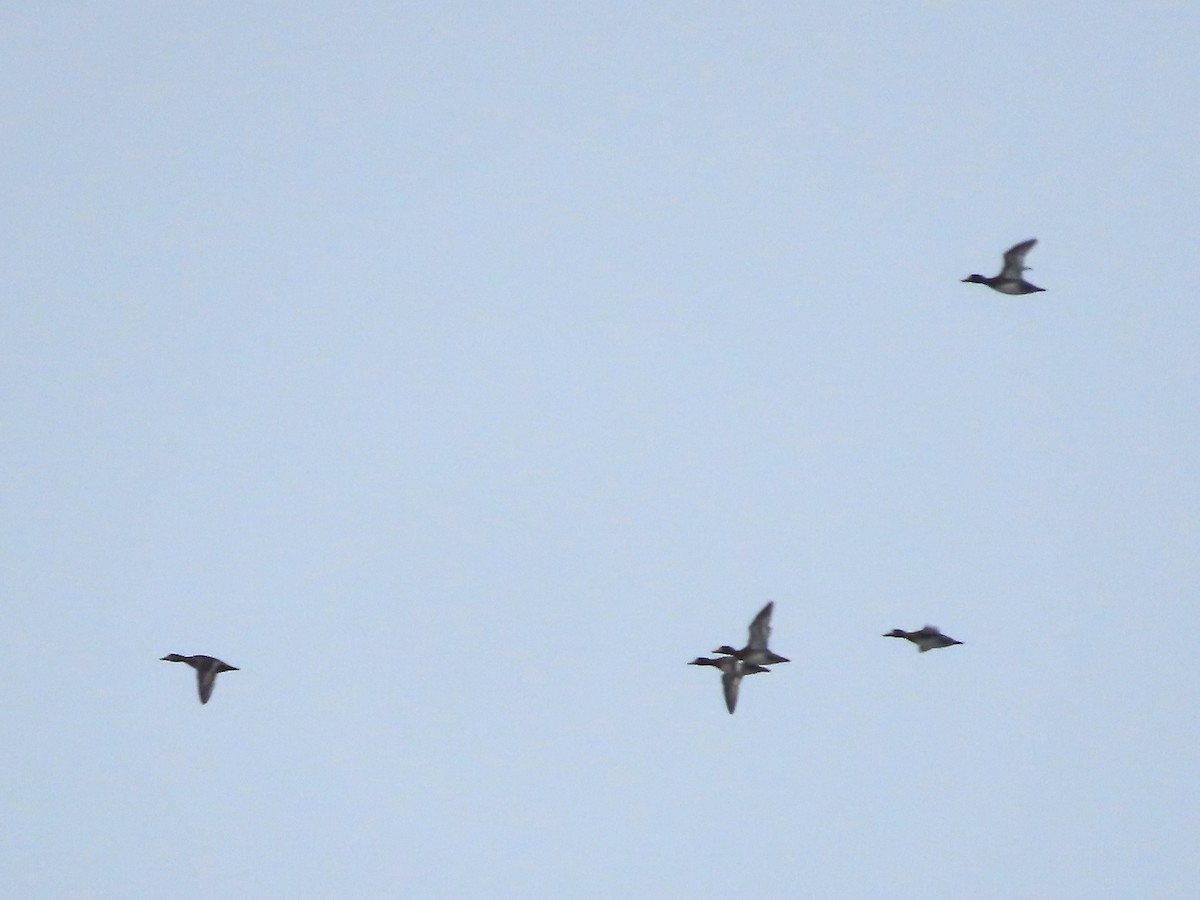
point(755, 657)
point(734, 664)
point(750, 660)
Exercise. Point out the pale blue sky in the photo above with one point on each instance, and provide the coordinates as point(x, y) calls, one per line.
point(460, 371)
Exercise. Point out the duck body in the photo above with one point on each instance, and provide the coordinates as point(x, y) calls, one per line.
point(756, 651)
point(1011, 279)
point(732, 672)
point(207, 669)
point(927, 638)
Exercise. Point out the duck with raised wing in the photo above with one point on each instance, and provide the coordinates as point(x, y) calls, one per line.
point(928, 638)
point(207, 669)
point(732, 672)
point(756, 650)
point(1011, 279)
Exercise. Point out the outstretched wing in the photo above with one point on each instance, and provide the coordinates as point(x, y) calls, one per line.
point(206, 678)
point(1014, 259)
point(760, 628)
point(731, 678)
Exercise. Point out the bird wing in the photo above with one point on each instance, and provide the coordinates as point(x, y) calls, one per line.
point(1014, 259)
point(731, 677)
point(760, 628)
point(206, 678)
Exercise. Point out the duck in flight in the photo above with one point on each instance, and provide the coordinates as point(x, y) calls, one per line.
point(928, 638)
point(756, 651)
point(207, 669)
point(1011, 279)
point(732, 672)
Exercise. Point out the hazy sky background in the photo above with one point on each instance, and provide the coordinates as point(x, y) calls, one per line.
point(460, 371)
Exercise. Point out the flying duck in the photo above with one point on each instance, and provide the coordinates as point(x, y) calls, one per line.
point(207, 668)
point(928, 638)
point(756, 650)
point(1011, 280)
point(732, 671)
